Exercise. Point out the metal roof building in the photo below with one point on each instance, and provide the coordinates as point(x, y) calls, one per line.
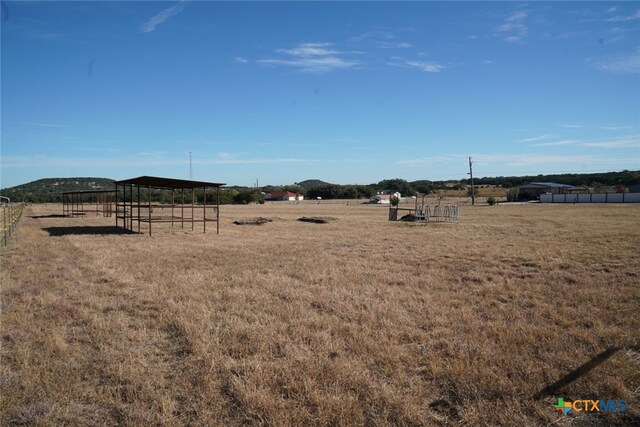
point(533, 190)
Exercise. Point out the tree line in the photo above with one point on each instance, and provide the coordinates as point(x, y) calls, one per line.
point(49, 190)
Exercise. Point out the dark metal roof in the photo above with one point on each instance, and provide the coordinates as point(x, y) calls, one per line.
point(157, 182)
point(89, 191)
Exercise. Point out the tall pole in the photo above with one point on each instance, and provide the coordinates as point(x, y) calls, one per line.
point(473, 192)
point(257, 191)
point(190, 167)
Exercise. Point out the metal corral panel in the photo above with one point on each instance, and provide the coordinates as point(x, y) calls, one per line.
point(591, 198)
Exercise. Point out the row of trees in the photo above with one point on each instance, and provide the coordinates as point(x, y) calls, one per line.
point(625, 178)
point(48, 190)
point(354, 191)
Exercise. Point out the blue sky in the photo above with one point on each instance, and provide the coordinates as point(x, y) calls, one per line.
point(344, 92)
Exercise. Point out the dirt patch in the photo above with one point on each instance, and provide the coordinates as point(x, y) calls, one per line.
point(317, 219)
point(252, 221)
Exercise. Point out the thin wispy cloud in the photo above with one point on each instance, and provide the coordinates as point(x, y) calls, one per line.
point(582, 12)
point(380, 39)
point(614, 39)
point(155, 153)
point(233, 161)
point(48, 125)
point(394, 45)
point(427, 67)
point(570, 34)
point(621, 63)
point(557, 143)
point(514, 27)
point(310, 49)
point(517, 160)
point(139, 161)
point(35, 29)
point(240, 60)
point(313, 65)
point(312, 58)
point(162, 16)
point(571, 126)
point(86, 162)
point(612, 9)
point(100, 150)
point(426, 161)
point(630, 141)
point(539, 138)
point(614, 127)
point(625, 18)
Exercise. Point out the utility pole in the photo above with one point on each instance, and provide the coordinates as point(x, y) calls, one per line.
point(473, 193)
point(190, 167)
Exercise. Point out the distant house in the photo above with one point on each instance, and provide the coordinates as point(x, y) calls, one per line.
point(283, 195)
point(389, 192)
point(381, 199)
point(384, 198)
point(534, 189)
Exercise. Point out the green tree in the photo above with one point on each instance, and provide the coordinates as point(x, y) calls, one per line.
point(397, 185)
point(248, 196)
point(512, 194)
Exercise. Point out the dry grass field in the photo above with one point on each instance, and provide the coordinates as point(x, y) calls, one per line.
point(356, 322)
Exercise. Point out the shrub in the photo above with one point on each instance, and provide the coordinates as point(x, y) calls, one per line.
point(491, 200)
point(512, 195)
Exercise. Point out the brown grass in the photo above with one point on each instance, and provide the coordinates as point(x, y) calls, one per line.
point(356, 322)
point(480, 191)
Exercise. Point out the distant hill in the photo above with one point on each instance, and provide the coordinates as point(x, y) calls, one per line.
point(312, 183)
point(49, 189)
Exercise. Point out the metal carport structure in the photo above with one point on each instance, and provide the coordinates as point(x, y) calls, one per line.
point(132, 211)
point(76, 203)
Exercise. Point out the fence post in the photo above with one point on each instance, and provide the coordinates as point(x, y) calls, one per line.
point(4, 220)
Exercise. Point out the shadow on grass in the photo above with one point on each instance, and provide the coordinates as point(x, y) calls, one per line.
point(580, 371)
point(87, 230)
point(48, 216)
